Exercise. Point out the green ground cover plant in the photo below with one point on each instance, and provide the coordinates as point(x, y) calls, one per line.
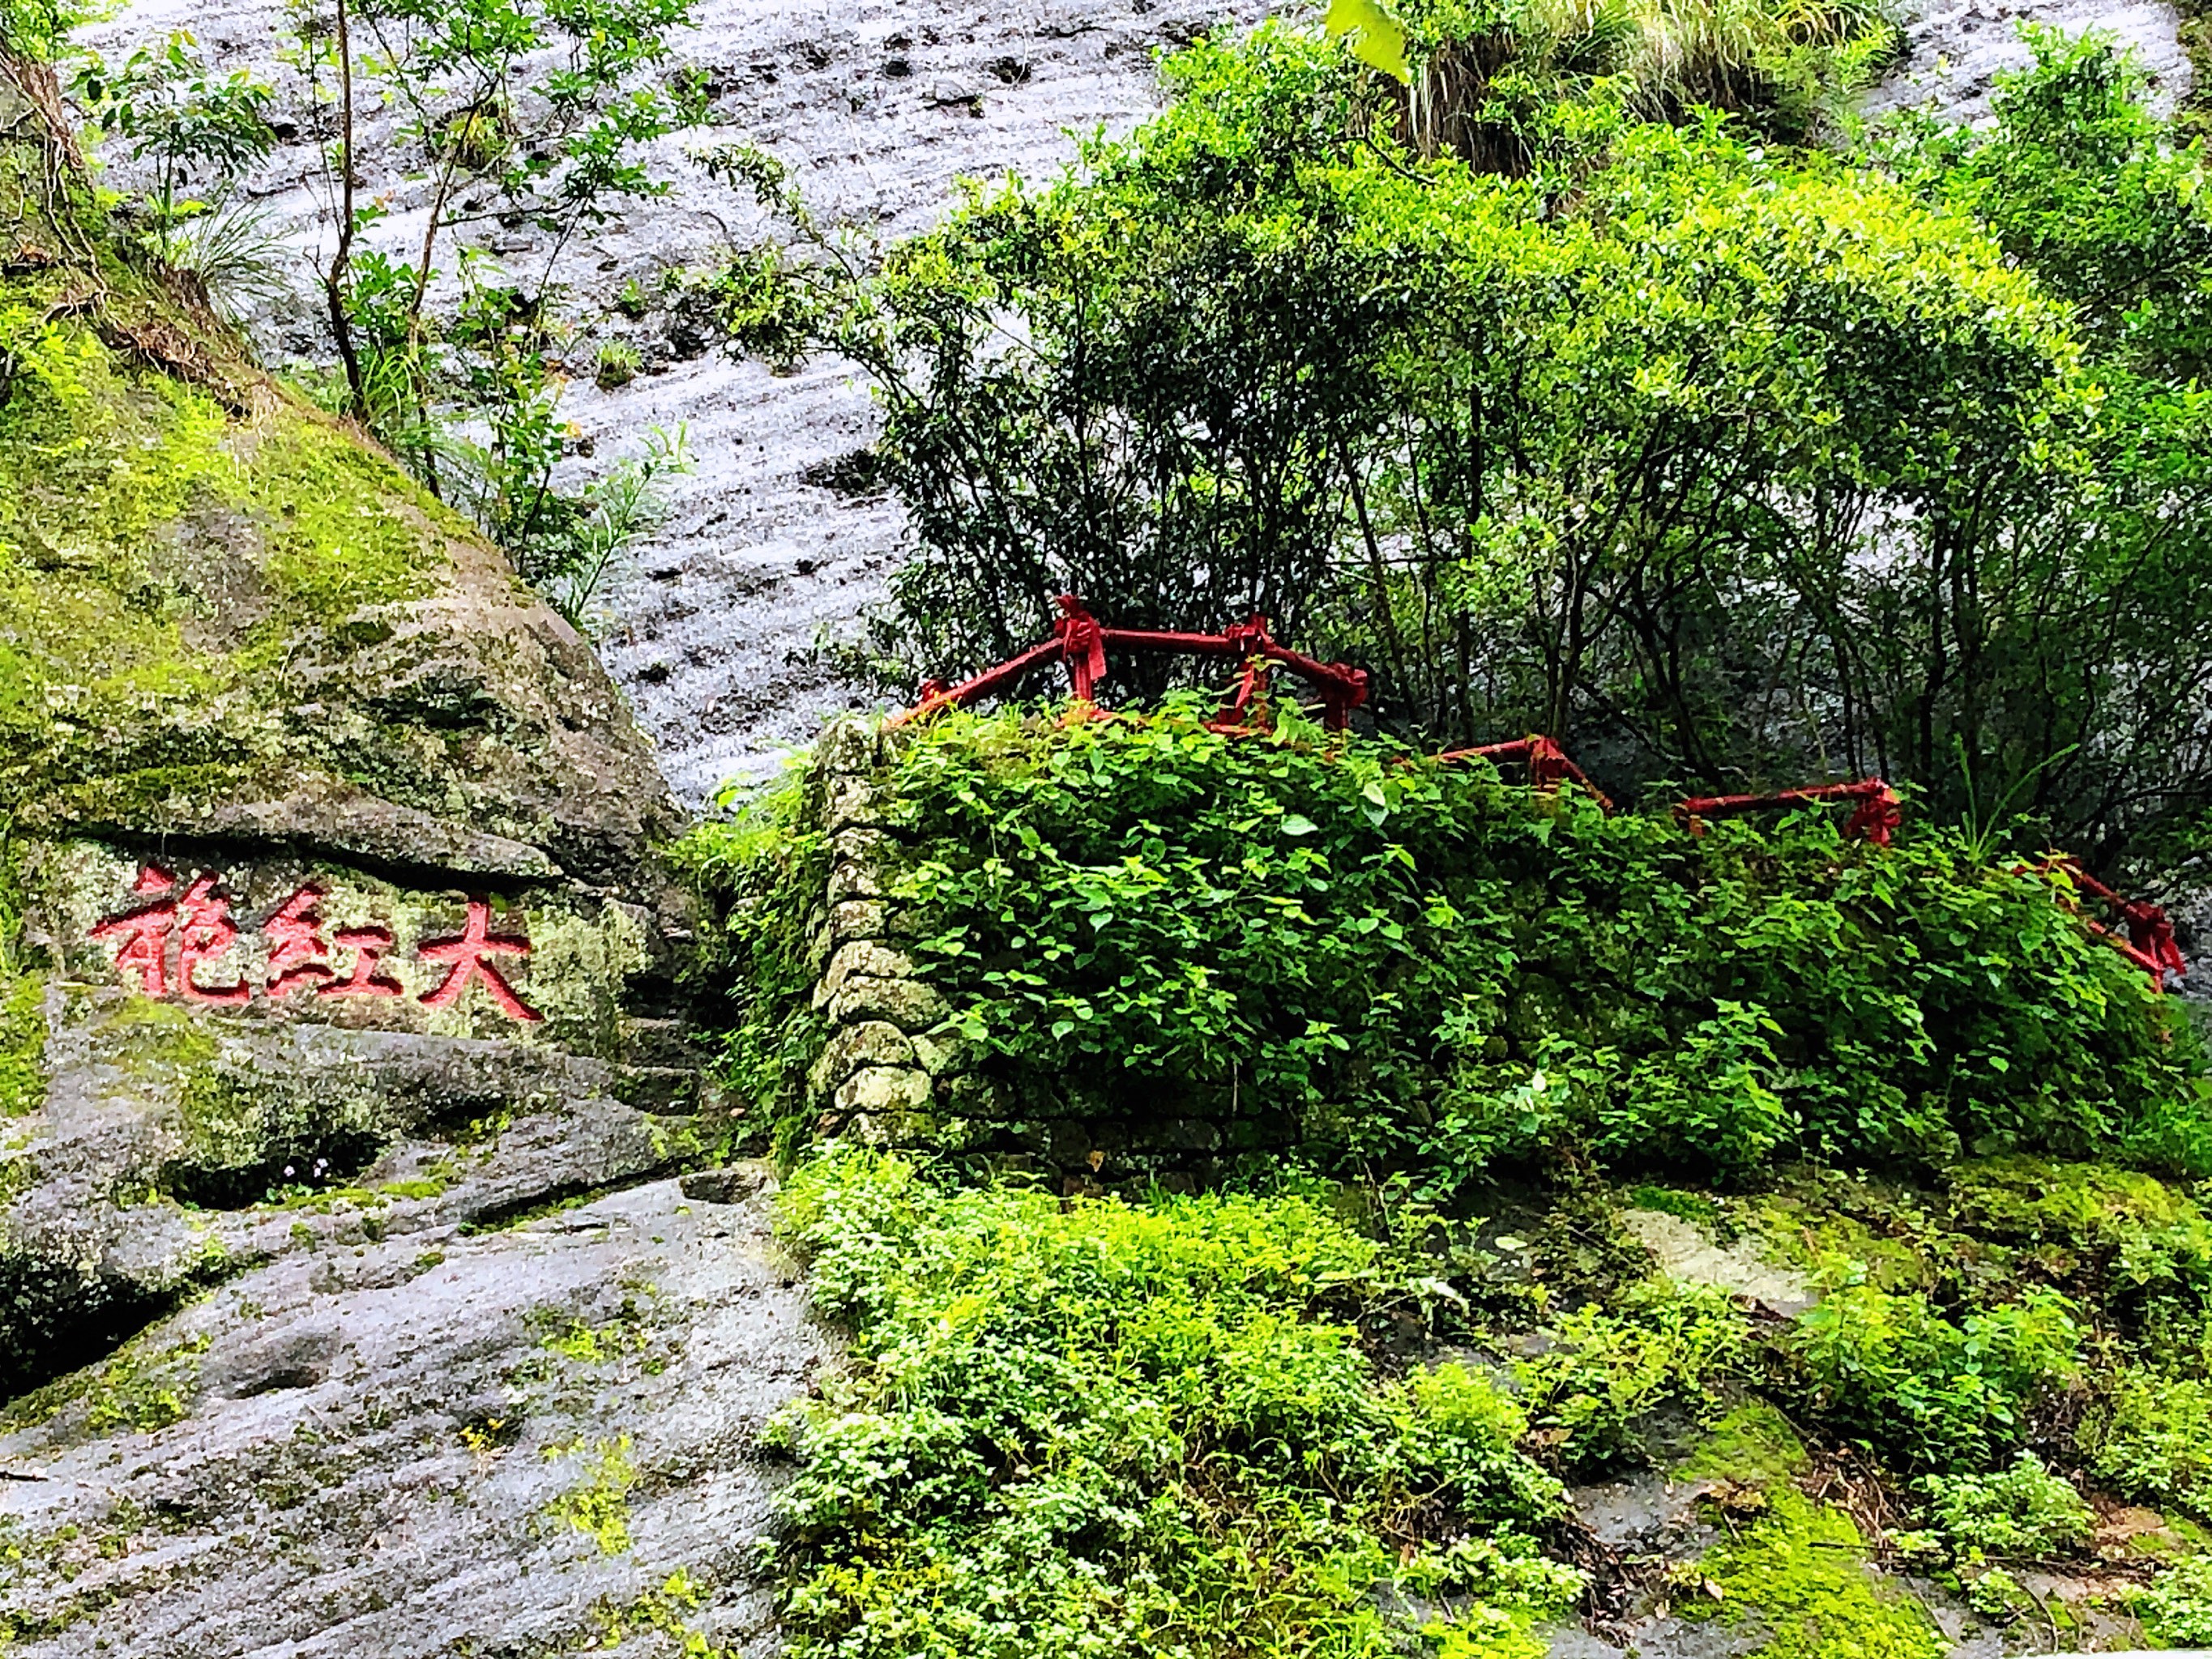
point(2022, 1511)
point(1166, 1424)
point(1098, 1428)
point(1610, 1369)
point(2179, 1607)
point(1893, 1372)
point(2155, 1440)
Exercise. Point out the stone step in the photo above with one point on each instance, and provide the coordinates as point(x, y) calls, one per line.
point(664, 1090)
point(652, 1041)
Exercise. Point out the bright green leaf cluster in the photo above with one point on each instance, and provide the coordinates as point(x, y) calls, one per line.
point(1098, 1428)
point(1419, 962)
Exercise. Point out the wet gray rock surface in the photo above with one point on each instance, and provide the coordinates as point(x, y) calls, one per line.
point(1957, 48)
point(399, 1436)
point(346, 1329)
point(880, 107)
point(1689, 1257)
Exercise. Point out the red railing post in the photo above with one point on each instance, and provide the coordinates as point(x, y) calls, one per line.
point(2150, 944)
point(1877, 818)
point(1081, 642)
point(1546, 762)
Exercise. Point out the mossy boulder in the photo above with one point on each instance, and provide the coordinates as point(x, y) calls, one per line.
point(327, 850)
point(223, 614)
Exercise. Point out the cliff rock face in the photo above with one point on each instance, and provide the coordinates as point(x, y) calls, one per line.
point(881, 106)
point(348, 1303)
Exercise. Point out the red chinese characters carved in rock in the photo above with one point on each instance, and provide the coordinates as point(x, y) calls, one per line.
point(467, 953)
point(166, 946)
point(197, 920)
point(145, 932)
point(302, 949)
point(205, 933)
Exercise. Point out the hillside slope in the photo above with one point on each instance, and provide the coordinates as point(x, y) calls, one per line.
point(1295, 1197)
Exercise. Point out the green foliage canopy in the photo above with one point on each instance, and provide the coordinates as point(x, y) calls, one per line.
point(1712, 458)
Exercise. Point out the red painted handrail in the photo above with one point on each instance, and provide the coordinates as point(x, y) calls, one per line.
point(1081, 642)
point(1878, 815)
point(1546, 762)
point(2150, 944)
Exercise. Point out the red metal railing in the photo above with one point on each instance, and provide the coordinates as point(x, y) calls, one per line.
point(1081, 642)
point(1546, 762)
point(1877, 818)
point(2150, 944)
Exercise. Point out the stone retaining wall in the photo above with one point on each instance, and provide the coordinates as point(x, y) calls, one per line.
point(893, 1074)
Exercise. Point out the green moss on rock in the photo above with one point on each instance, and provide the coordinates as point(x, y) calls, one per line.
point(145, 1388)
point(1752, 1445)
point(2080, 1207)
point(22, 1043)
point(1799, 1571)
point(211, 590)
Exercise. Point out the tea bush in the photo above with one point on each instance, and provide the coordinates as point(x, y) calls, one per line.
point(1431, 967)
point(2156, 1442)
point(1709, 455)
point(1609, 1369)
point(1103, 1428)
point(2179, 1607)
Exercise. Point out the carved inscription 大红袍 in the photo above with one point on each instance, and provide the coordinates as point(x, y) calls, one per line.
point(173, 943)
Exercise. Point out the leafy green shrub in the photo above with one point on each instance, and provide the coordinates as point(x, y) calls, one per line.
point(2178, 1609)
point(38, 31)
point(2024, 1511)
point(1101, 1428)
point(1608, 1370)
point(2079, 180)
point(1459, 1437)
point(1473, 66)
point(761, 875)
point(1423, 964)
point(580, 538)
point(2157, 1440)
point(192, 126)
point(1995, 1594)
point(1890, 1370)
point(1707, 455)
